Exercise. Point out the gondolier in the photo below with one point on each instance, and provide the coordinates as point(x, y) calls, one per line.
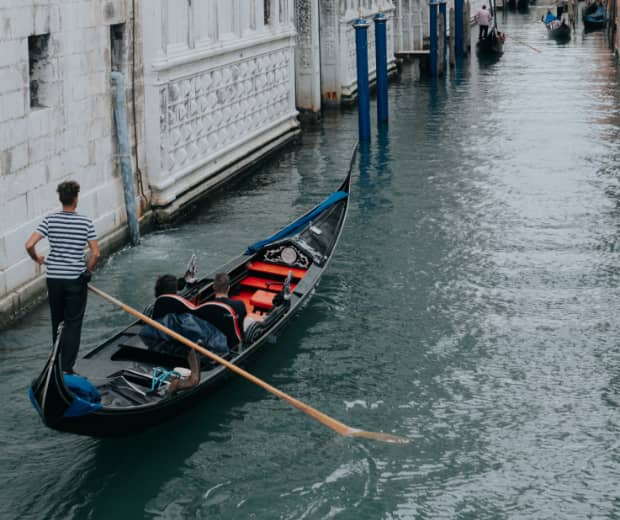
point(483, 18)
point(68, 272)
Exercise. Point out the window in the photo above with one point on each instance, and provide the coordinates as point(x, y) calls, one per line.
point(40, 69)
point(267, 11)
point(117, 47)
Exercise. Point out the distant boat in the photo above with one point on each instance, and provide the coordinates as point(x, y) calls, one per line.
point(559, 32)
point(492, 44)
point(595, 17)
point(523, 5)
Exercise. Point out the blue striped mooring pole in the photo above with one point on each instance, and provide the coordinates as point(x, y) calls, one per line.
point(363, 91)
point(458, 27)
point(381, 61)
point(433, 32)
point(444, 35)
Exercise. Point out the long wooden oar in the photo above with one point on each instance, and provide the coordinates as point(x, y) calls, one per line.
point(328, 421)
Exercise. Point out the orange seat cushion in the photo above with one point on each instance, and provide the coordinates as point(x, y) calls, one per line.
point(263, 283)
point(282, 270)
point(262, 299)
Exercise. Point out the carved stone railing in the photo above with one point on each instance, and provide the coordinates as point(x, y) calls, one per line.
point(219, 85)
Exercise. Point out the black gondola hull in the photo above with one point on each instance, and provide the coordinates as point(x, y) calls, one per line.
point(561, 33)
point(317, 239)
point(490, 46)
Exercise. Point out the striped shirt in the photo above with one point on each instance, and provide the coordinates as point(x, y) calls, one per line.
point(68, 234)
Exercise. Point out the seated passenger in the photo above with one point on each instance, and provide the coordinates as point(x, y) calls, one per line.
point(221, 287)
point(190, 326)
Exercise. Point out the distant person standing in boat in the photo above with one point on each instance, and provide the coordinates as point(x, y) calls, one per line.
point(483, 18)
point(68, 271)
point(561, 7)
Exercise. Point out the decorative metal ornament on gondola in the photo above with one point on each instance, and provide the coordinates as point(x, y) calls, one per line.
point(288, 255)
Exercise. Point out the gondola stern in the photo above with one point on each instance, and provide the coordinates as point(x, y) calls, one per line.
point(57, 396)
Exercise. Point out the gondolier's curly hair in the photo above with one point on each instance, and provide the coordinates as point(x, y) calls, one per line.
point(67, 191)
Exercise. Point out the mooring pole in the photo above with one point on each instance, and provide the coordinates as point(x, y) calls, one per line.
point(433, 31)
point(444, 17)
point(363, 90)
point(122, 137)
point(458, 27)
point(381, 61)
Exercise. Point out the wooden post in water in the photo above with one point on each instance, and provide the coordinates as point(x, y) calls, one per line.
point(443, 35)
point(451, 40)
point(432, 10)
point(466, 14)
point(459, 28)
point(441, 44)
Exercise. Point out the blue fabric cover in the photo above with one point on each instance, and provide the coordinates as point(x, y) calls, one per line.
point(599, 15)
point(86, 398)
point(33, 400)
point(549, 18)
point(189, 326)
point(296, 226)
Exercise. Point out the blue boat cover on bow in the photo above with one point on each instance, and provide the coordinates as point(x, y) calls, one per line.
point(86, 398)
point(296, 226)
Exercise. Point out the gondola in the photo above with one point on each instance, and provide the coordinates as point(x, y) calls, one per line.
point(122, 383)
point(559, 33)
point(523, 6)
point(595, 17)
point(492, 44)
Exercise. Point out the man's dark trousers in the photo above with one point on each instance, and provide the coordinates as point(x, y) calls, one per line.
point(483, 30)
point(67, 299)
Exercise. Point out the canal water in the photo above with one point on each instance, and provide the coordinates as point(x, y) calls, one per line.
point(471, 307)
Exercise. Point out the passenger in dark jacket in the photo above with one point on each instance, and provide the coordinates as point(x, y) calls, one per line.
point(190, 326)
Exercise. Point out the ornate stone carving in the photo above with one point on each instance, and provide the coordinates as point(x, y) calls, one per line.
point(214, 109)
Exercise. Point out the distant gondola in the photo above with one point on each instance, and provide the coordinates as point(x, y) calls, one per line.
point(120, 389)
point(595, 17)
point(492, 44)
point(559, 32)
point(523, 5)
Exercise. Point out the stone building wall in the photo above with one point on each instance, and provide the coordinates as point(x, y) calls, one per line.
point(337, 35)
point(219, 92)
point(411, 25)
point(56, 123)
point(214, 89)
